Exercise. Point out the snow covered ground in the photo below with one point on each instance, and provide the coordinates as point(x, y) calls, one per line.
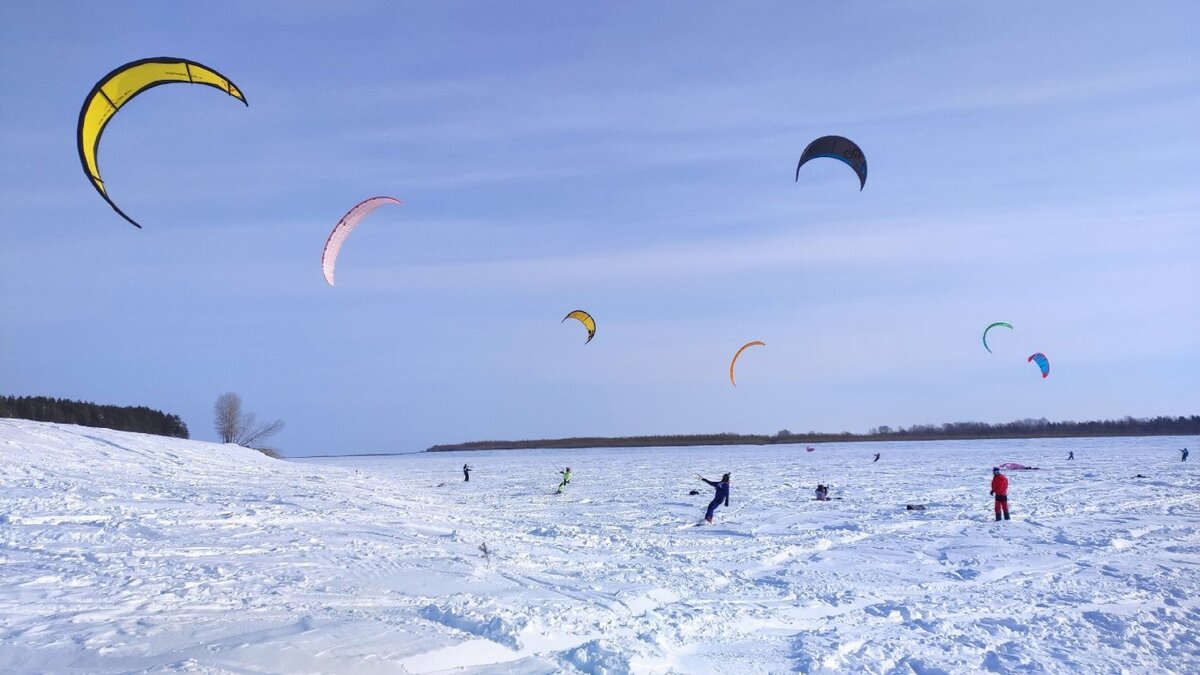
point(125, 552)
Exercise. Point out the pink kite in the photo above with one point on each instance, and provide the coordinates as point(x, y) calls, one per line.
point(343, 229)
point(1013, 466)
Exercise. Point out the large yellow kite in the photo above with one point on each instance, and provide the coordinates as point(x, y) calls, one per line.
point(121, 85)
point(586, 319)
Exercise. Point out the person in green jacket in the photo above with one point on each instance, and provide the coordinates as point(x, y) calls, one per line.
point(566, 478)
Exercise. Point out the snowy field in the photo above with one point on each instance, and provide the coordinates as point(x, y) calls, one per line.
point(130, 553)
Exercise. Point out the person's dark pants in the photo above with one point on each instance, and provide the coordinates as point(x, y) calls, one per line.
point(466, 477)
point(712, 506)
point(1002, 505)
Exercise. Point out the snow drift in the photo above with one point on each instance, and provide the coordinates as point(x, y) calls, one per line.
point(125, 552)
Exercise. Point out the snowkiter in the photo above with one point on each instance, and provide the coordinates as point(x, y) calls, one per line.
point(1000, 491)
point(1183, 455)
point(722, 495)
point(566, 478)
point(876, 458)
point(822, 493)
point(466, 473)
point(1071, 454)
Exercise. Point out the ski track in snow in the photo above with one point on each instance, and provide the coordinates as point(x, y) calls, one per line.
point(124, 552)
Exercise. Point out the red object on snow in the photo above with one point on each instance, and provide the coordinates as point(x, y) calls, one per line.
point(1013, 466)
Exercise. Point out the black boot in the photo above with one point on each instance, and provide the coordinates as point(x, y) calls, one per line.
point(997, 516)
point(1006, 516)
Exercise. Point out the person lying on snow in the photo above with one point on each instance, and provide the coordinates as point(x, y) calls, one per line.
point(1000, 491)
point(722, 495)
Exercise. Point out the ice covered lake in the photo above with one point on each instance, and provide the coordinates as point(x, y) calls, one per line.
point(123, 552)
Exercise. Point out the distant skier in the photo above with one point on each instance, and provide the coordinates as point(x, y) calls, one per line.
point(876, 458)
point(1071, 454)
point(822, 493)
point(1183, 455)
point(722, 495)
point(566, 478)
point(1000, 491)
point(466, 473)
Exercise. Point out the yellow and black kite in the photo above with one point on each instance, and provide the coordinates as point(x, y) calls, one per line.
point(586, 319)
point(118, 87)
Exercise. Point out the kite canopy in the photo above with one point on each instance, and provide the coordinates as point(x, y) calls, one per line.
point(344, 227)
point(732, 363)
point(1013, 466)
point(118, 88)
point(586, 319)
point(985, 332)
point(1042, 362)
point(839, 148)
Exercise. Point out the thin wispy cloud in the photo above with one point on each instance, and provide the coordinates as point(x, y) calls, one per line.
point(635, 160)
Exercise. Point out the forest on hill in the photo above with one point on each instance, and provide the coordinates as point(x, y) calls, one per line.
point(85, 413)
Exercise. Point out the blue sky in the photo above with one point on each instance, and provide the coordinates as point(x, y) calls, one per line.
point(1028, 163)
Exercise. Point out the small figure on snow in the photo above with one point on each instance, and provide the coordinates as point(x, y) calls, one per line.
point(876, 458)
point(1183, 455)
point(566, 478)
point(822, 493)
point(1071, 454)
point(466, 473)
point(722, 495)
point(1000, 491)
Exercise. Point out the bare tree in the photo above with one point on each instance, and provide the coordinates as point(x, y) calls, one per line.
point(226, 413)
point(234, 426)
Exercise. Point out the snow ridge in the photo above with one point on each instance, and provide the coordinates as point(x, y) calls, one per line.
point(125, 552)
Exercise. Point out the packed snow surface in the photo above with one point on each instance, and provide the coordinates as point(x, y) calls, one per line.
point(125, 552)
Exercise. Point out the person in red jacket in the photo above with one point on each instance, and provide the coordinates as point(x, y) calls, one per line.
point(1000, 491)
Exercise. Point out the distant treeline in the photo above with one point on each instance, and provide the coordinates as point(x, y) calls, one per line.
point(83, 413)
point(1026, 428)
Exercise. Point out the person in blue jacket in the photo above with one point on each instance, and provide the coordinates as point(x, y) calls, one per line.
point(722, 495)
point(1183, 455)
